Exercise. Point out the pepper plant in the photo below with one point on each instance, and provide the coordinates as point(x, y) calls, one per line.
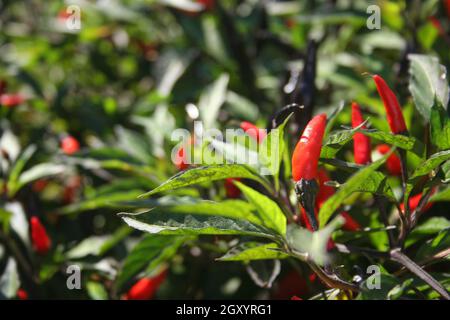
point(115, 163)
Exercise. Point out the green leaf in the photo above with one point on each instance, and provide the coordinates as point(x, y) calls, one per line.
point(439, 126)
point(235, 209)
point(398, 140)
point(335, 142)
point(134, 143)
point(193, 224)
point(396, 292)
point(206, 174)
point(96, 291)
point(9, 280)
point(113, 200)
point(149, 253)
point(313, 243)
point(376, 183)
point(434, 246)
point(427, 81)
point(353, 184)
point(40, 171)
point(98, 245)
point(268, 211)
point(431, 226)
point(387, 284)
point(271, 150)
point(211, 100)
point(18, 167)
point(441, 196)
point(254, 251)
point(89, 246)
point(431, 163)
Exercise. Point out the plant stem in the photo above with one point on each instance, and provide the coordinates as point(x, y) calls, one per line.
point(399, 257)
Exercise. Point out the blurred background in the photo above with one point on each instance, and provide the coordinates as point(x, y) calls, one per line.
point(89, 105)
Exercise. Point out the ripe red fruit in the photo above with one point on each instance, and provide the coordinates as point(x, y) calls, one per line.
point(292, 284)
point(11, 100)
point(231, 190)
point(2, 87)
point(181, 161)
point(296, 298)
point(350, 224)
point(70, 145)
point(307, 152)
point(253, 131)
point(393, 163)
point(40, 239)
point(447, 5)
point(22, 294)
point(39, 185)
point(361, 142)
point(391, 105)
point(146, 288)
point(208, 4)
point(414, 203)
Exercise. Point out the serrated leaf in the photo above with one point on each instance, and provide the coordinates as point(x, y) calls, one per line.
point(428, 79)
point(254, 251)
point(235, 209)
point(192, 224)
point(206, 174)
point(268, 212)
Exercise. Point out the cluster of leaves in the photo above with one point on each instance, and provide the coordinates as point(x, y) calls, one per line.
point(137, 70)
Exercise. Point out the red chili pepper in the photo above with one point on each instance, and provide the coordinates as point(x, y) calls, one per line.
point(393, 109)
point(39, 237)
point(3, 85)
point(414, 203)
point(253, 131)
point(447, 5)
point(231, 190)
point(11, 100)
point(361, 142)
point(22, 294)
point(292, 284)
point(307, 152)
point(71, 189)
point(39, 185)
point(181, 160)
point(146, 288)
point(437, 25)
point(69, 145)
point(393, 163)
point(208, 4)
